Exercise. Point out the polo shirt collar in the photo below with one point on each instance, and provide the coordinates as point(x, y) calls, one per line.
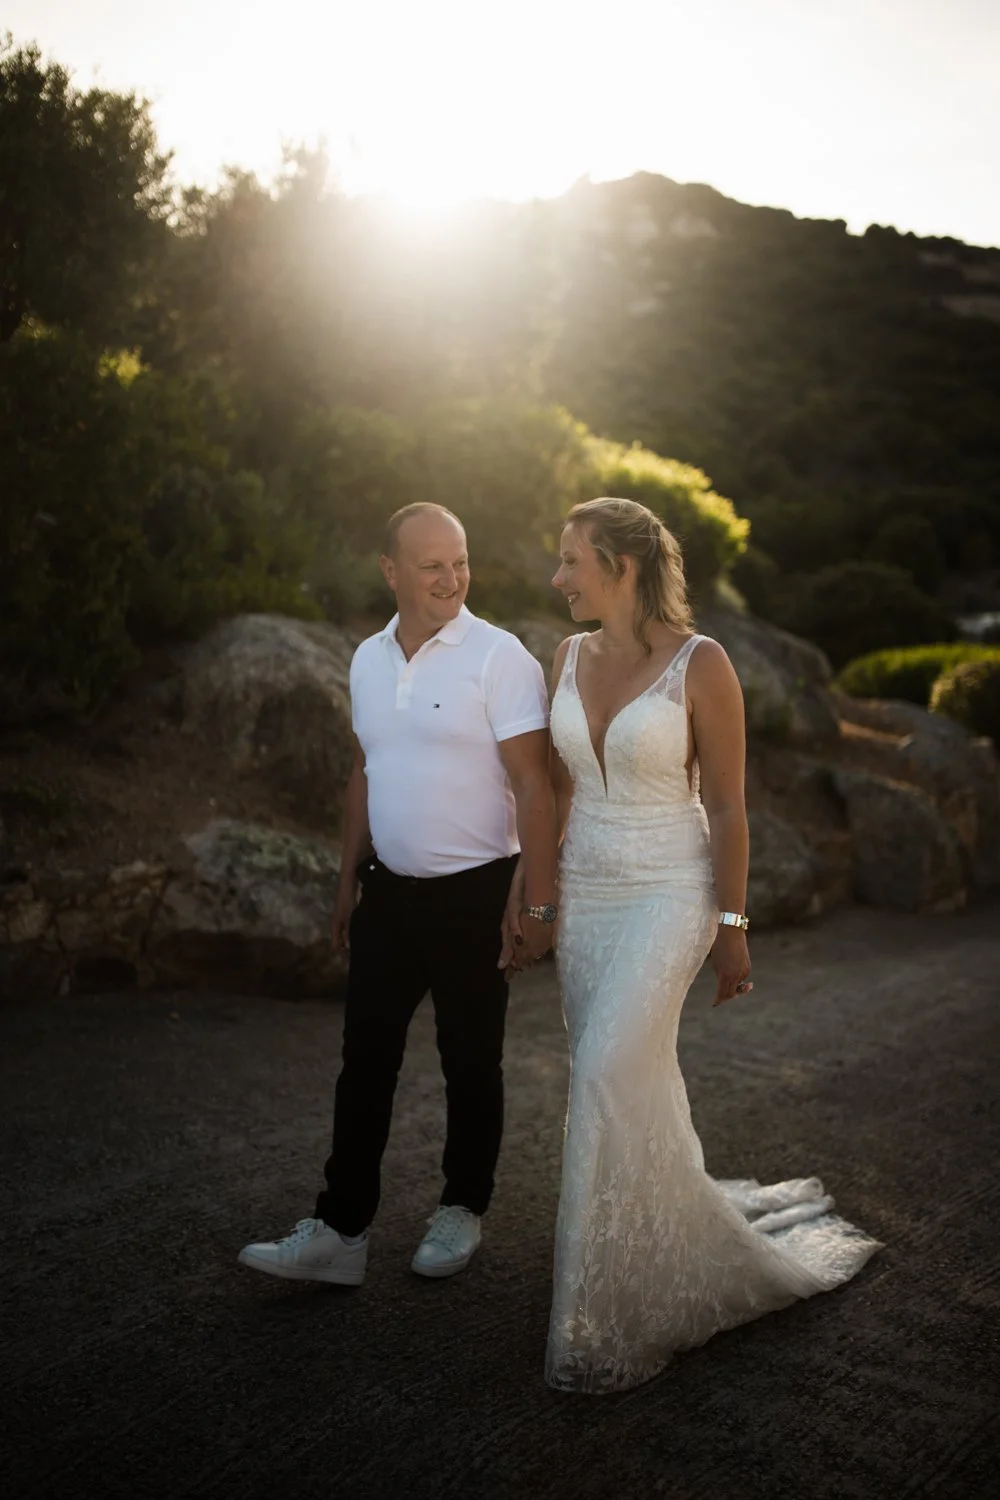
point(452, 634)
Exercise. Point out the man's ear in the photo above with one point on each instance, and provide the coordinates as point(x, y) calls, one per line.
point(388, 571)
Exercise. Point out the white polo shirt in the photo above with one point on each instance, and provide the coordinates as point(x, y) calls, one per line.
point(439, 800)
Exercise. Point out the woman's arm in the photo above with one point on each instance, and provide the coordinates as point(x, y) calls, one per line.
point(718, 725)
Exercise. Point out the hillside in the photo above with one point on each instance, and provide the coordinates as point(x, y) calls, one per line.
point(211, 401)
point(831, 383)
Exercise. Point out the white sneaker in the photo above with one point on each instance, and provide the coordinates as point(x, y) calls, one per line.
point(450, 1242)
point(312, 1252)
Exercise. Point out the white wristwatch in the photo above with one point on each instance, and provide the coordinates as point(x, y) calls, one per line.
point(733, 919)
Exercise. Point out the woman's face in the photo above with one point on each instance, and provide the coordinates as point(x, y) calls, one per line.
point(581, 577)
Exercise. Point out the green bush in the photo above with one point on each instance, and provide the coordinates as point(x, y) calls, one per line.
point(759, 579)
point(711, 534)
point(121, 522)
point(970, 694)
point(910, 542)
point(910, 672)
point(853, 608)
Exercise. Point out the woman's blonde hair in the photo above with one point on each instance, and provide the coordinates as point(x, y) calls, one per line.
point(618, 529)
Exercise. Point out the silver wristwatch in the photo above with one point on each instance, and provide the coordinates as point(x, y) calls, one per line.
point(546, 913)
point(733, 919)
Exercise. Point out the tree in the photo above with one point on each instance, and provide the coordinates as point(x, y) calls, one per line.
point(83, 199)
point(852, 608)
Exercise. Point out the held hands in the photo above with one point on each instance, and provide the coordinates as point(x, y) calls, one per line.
point(523, 939)
point(731, 961)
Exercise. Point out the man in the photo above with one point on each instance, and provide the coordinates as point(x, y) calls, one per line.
point(450, 778)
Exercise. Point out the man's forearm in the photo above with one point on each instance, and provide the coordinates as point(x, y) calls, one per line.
point(356, 836)
point(730, 849)
point(536, 830)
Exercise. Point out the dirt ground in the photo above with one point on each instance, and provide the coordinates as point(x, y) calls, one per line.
point(148, 1136)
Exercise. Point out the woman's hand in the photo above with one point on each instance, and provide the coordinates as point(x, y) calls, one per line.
point(731, 961)
point(510, 928)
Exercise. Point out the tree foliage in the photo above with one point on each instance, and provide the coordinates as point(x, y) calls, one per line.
point(850, 609)
point(211, 400)
point(82, 200)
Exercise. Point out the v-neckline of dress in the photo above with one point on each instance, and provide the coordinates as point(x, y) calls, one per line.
point(602, 764)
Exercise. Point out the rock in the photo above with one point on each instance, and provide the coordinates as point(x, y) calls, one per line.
point(785, 680)
point(960, 772)
point(799, 791)
point(906, 856)
point(272, 694)
point(62, 931)
point(252, 914)
point(782, 886)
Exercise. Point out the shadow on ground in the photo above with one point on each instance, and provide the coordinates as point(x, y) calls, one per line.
point(147, 1137)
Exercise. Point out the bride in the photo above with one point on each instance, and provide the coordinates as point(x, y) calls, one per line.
point(652, 1255)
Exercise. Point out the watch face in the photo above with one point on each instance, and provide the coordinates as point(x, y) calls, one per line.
point(549, 912)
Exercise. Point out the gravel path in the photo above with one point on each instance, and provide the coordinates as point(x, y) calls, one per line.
point(147, 1137)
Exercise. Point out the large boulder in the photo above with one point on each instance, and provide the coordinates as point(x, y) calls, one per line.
point(798, 792)
point(250, 913)
point(785, 680)
point(246, 909)
point(63, 930)
point(271, 694)
point(957, 770)
point(906, 855)
point(782, 885)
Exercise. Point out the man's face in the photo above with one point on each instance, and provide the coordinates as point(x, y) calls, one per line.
point(430, 572)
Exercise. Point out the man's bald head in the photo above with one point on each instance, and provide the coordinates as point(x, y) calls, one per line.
point(395, 523)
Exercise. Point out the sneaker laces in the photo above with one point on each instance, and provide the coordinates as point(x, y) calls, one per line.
point(447, 1223)
point(304, 1230)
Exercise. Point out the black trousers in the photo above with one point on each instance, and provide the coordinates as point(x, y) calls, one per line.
point(409, 936)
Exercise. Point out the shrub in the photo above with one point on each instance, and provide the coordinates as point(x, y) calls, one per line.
point(711, 534)
point(908, 673)
point(759, 579)
point(853, 608)
point(121, 522)
point(970, 694)
point(910, 542)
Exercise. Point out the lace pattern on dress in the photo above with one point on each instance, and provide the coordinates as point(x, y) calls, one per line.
point(652, 1255)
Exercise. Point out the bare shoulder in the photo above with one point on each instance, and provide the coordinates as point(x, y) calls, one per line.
point(710, 671)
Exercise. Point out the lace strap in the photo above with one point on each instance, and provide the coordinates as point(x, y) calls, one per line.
point(568, 674)
point(678, 667)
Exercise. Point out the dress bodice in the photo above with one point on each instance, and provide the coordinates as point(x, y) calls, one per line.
point(644, 822)
point(646, 744)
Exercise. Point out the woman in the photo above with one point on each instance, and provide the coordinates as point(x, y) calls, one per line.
point(652, 1255)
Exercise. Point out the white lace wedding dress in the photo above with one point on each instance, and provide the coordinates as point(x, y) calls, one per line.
point(652, 1255)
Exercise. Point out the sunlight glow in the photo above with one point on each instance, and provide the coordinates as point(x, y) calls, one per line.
point(868, 113)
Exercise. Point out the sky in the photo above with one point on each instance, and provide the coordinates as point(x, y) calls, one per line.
point(873, 111)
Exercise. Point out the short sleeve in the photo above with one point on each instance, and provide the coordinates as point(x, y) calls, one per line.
point(514, 689)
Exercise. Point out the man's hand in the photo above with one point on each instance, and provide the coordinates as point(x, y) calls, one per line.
point(536, 939)
point(511, 935)
point(731, 961)
point(343, 908)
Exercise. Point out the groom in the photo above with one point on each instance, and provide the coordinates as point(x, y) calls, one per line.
point(450, 779)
